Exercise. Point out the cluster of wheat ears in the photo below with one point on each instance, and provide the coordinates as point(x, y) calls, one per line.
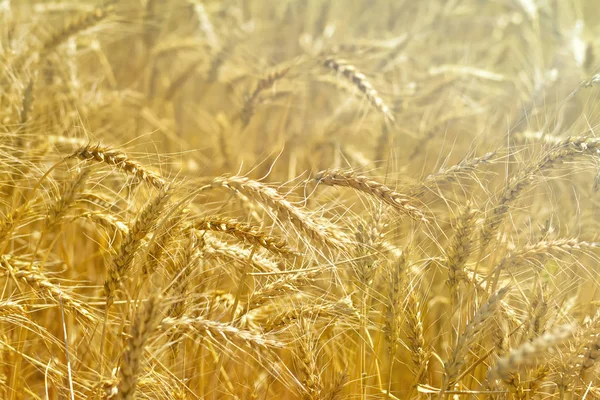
point(299, 199)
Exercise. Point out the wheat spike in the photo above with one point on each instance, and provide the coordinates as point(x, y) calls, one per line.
point(121, 161)
point(360, 80)
point(345, 178)
point(145, 323)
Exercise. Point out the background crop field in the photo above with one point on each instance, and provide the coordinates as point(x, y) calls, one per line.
point(299, 199)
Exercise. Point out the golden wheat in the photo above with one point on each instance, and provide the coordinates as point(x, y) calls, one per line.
point(196, 206)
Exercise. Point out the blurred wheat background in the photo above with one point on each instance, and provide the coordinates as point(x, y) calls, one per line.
point(299, 199)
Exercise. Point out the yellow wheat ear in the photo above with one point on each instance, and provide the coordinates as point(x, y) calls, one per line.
point(146, 321)
point(121, 161)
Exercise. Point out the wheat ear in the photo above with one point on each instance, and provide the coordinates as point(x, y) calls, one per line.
point(459, 250)
point(164, 238)
point(83, 22)
point(144, 325)
point(541, 251)
point(110, 222)
point(592, 355)
point(247, 233)
point(307, 361)
point(346, 178)
point(396, 274)
point(566, 150)
point(360, 80)
point(528, 353)
point(215, 329)
point(270, 198)
point(72, 28)
point(263, 84)
point(460, 352)
point(58, 209)
point(123, 259)
point(415, 334)
point(35, 279)
point(121, 161)
point(451, 174)
point(236, 253)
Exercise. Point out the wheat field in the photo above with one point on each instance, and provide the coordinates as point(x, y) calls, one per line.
point(299, 199)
